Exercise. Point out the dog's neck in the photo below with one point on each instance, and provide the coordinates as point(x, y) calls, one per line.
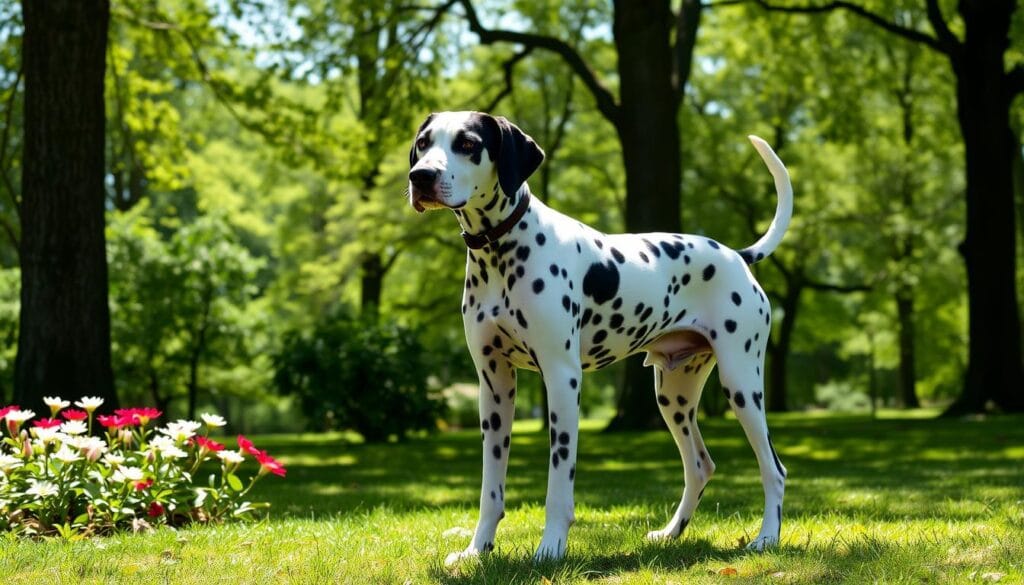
point(489, 211)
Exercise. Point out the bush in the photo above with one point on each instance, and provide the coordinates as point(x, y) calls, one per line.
point(352, 373)
point(56, 477)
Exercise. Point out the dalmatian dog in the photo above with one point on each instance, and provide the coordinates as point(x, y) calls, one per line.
point(547, 293)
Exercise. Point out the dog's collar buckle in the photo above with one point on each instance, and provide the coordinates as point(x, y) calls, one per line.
point(477, 241)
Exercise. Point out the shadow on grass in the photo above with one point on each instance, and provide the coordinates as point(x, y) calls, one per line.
point(654, 557)
point(886, 469)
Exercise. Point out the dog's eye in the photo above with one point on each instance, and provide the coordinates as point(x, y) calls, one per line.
point(467, 145)
point(421, 144)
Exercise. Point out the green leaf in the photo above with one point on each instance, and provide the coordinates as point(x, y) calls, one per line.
point(234, 482)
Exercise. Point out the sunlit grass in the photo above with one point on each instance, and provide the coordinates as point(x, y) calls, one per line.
point(893, 500)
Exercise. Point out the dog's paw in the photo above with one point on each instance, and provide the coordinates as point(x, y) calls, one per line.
point(550, 549)
point(762, 543)
point(458, 557)
point(663, 535)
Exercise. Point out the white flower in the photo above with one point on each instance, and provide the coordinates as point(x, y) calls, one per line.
point(44, 434)
point(166, 447)
point(123, 474)
point(9, 462)
point(66, 455)
point(180, 430)
point(231, 457)
point(91, 447)
point(213, 420)
point(55, 403)
point(74, 427)
point(89, 403)
point(19, 416)
point(41, 489)
point(113, 459)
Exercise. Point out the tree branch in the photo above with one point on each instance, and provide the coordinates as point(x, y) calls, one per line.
point(508, 66)
point(948, 40)
point(605, 101)
point(687, 23)
point(909, 34)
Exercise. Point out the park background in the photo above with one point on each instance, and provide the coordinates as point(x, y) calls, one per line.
point(233, 233)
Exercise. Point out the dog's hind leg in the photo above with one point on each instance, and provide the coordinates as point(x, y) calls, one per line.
point(743, 386)
point(678, 392)
point(497, 408)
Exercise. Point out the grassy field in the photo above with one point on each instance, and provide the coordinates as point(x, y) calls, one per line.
point(901, 500)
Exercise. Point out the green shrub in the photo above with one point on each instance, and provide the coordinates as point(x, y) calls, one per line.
point(353, 373)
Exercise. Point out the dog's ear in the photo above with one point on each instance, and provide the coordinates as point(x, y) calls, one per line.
point(518, 156)
point(412, 151)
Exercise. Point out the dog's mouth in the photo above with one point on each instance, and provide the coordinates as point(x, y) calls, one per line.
point(423, 200)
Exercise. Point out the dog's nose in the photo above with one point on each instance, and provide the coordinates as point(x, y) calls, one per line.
point(423, 178)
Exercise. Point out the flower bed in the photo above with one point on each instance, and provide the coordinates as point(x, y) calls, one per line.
point(58, 478)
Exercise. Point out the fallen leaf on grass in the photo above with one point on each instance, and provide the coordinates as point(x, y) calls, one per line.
point(728, 572)
point(778, 575)
point(992, 577)
point(544, 580)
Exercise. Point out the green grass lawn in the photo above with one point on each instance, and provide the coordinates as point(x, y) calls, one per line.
point(901, 500)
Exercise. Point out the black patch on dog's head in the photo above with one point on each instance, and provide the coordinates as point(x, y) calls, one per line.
point(515, 155)
point(412, 151)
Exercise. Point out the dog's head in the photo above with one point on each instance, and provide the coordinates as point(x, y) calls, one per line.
point(460, 159)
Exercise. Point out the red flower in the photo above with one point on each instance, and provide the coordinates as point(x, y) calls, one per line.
point(6, 409)
point(248, 446)
point(138, 416)
point(155, 509)
point(144, 484)
point(72, 414)
point(111, 421)
point(269, 464)
point(208, 444)
point(46, 423)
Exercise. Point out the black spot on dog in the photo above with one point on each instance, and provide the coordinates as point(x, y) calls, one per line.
point(739, 400)
point(730, 325)
point(538, 286)
point(554, 269)
point(563, 452)
point(678, 417)
point(495, 421)
point(712, 243)
point(563, 438)
point(615, 321)
point(736, 300)
point(663, 400)
point(566, 303)
point(618, 256)
point(686, 279)
point(709, 272)
point(541, 239)
point(757, 399)
point(601, 282)
point(496, 451)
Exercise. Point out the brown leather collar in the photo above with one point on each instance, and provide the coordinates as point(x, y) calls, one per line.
point(477, 241)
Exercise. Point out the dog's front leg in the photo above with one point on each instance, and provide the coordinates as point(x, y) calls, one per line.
point(563, 384)
point(497, 408)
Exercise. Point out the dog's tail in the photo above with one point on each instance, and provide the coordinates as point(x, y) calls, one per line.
point(783, 211)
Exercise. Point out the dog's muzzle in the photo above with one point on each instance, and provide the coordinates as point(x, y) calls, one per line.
point(424, 189)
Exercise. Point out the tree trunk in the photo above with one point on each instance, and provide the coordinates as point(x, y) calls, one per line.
point(371, 281)
point(989, 249)
point(64, 335)
point(648, 131)
point(908, 377)
point(778, 351)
